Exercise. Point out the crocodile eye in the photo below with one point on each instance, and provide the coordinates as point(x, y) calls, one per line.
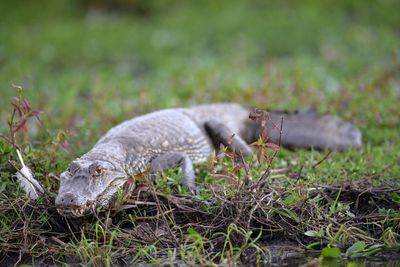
point(98, 171)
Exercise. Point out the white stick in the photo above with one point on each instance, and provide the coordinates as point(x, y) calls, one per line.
point(26, 180)
point(20, 158)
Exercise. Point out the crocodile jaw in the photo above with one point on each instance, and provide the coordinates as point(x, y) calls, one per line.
point(77, 211)
point(102, 202)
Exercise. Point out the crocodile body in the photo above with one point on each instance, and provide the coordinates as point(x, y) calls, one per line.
point(180, 137)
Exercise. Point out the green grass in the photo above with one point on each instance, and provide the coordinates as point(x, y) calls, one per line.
point(87, 71)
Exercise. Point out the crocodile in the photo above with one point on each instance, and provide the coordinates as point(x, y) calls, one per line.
point(180, 137)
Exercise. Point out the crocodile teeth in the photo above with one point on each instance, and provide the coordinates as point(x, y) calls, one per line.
point(77, 211)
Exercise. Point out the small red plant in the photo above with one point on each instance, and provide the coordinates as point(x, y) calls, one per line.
point(264, 149)
point(18, 121)
point(263, 144)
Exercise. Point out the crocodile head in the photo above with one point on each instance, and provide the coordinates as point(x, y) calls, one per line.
point(89, 185)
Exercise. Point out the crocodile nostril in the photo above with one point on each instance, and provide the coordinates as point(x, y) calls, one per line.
point(67, 200)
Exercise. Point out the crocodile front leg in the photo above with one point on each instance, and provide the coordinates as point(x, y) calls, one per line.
point(221, 134)
point(172, 160)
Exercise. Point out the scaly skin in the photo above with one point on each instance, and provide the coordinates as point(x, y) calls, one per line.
point(180, 137)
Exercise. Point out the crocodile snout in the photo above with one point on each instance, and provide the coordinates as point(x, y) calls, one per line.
point(73, 206)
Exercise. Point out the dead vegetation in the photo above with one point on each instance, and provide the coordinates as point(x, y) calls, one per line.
point(227, 224)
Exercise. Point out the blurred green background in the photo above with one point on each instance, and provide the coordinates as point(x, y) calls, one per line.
point(90, 64)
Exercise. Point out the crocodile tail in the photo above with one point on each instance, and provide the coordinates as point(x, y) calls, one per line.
point(306, 130)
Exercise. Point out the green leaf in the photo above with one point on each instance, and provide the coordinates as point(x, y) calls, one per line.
point(332, 208)
point(356, 248)
point(396, 197)
point(355, 264)
point(313, 233)
point(193, 233)
point(331, 252)
point(331, 262)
